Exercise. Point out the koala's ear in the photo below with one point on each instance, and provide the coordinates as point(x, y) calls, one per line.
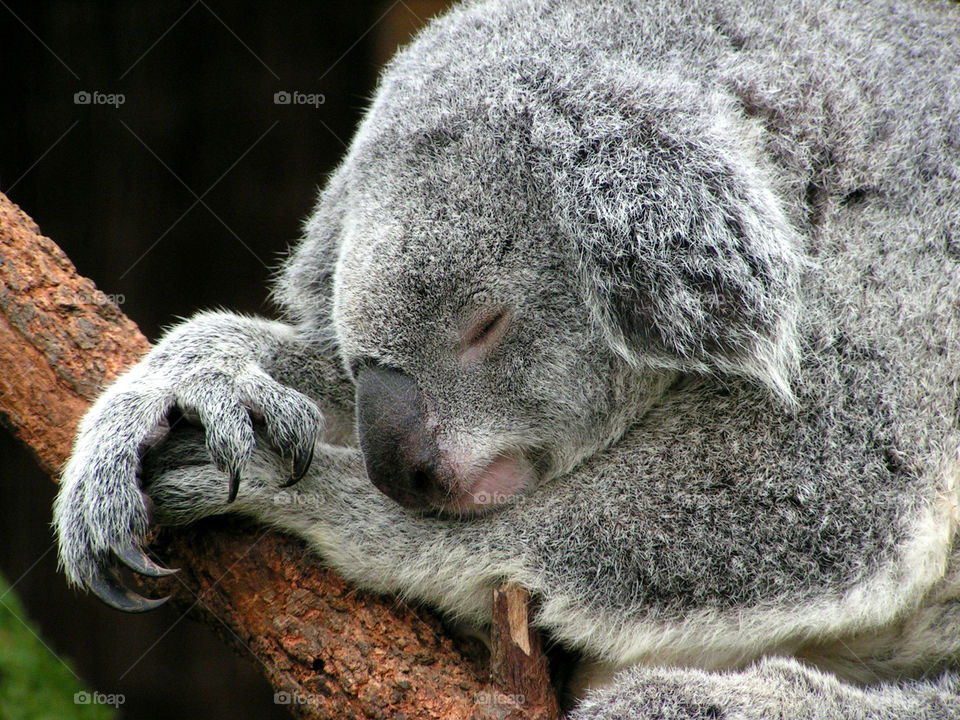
point(686, 257)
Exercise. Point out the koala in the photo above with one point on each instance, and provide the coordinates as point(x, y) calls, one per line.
point(651, 307)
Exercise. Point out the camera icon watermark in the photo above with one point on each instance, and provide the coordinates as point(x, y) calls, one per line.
point(95, 97)
point(295, 497)
point(295, 97)
point(498, 699)
point(493, 498)
point(295, 698)
point(95, 297)
point(98, 698)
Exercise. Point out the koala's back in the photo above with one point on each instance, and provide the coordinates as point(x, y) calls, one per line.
point(720, 499)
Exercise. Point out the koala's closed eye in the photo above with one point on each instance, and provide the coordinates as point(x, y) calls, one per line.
point(484, 332)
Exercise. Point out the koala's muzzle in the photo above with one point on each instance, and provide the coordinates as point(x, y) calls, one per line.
point(400, 454)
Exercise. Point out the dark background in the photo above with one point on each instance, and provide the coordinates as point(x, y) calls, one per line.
point(184, 197)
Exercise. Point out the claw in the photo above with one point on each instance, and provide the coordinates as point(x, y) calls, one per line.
point(301, 463)
point(234, 486)
point(135, 559)
point(108, 588)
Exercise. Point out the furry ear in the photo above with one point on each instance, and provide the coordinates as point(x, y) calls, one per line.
point(686, 257)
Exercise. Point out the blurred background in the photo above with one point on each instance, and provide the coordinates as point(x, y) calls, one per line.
point(152, 142)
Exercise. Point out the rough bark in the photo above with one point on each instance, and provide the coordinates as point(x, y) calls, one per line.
point(518, 666)
point(61, 339)
point(329, 650)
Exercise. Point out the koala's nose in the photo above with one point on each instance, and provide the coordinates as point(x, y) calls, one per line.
point(400, 454)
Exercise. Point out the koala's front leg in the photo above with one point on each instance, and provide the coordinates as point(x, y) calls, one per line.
point(227, 372)
point(773, 688)
point(356, 529)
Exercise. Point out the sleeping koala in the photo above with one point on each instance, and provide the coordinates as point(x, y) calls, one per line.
point(650, 307)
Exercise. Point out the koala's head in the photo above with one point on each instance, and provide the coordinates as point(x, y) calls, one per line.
point(509, 291)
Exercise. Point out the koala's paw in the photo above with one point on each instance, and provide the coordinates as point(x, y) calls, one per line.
point(101, 514)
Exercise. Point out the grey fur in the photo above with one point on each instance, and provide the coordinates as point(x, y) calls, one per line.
point(725, 238)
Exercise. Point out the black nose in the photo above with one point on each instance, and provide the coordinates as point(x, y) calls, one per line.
point(400, 454)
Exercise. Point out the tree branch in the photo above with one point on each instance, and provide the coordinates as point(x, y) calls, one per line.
point(329, 650)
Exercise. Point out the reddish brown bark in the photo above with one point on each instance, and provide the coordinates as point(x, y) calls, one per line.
point(518, 666)
point(330, 650)
point(61, 339)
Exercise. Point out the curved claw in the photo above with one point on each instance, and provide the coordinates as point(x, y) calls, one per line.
point(108, 588)
point(234, 486)
point(301, 463)
point(135, 559)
